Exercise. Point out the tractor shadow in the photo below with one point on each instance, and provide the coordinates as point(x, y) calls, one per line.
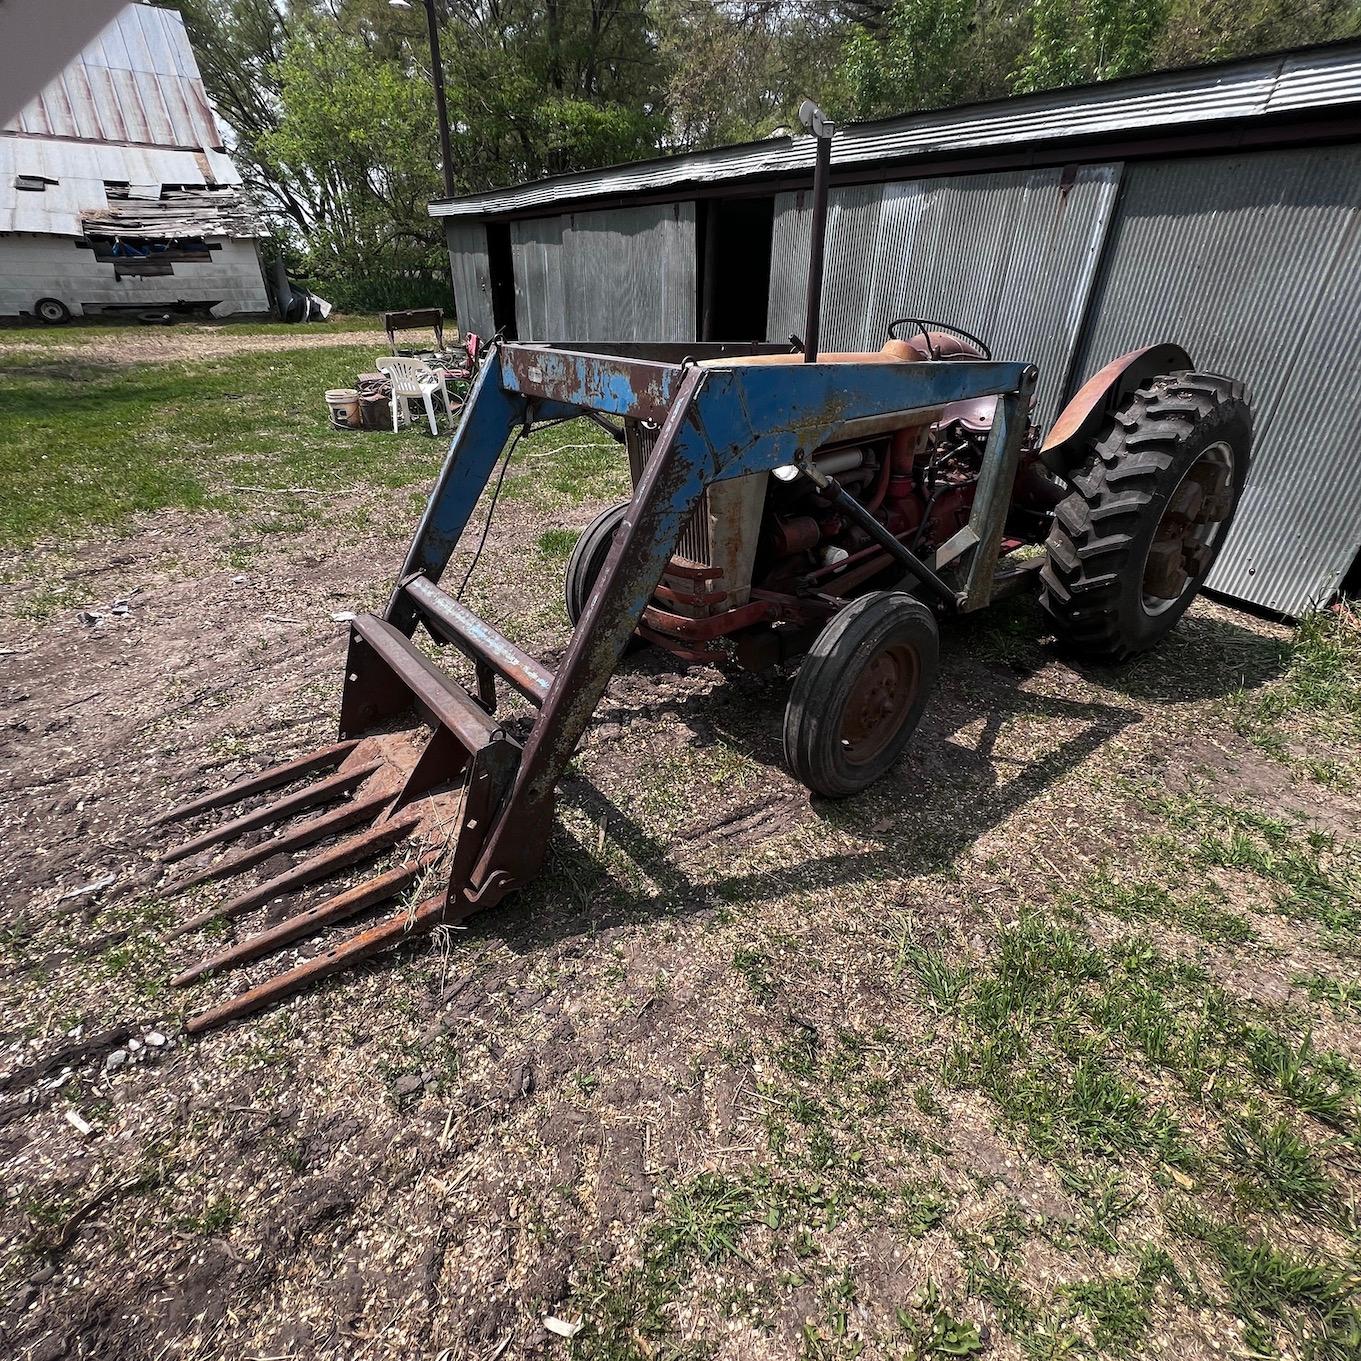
point(1011, 718)
point(985, 749)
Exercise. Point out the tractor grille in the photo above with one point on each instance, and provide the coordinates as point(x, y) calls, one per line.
point(694, 543)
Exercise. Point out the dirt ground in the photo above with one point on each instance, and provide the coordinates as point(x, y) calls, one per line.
point(433, 1154)
point(105, 346)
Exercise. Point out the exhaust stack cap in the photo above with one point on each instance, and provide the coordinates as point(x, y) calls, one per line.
point(815, 120)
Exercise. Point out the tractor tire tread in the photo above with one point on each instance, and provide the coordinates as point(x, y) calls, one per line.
point(1086, 574)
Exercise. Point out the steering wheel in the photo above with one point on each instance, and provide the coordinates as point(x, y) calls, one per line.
point(926, 327)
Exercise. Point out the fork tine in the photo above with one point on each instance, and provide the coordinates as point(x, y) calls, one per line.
point(335, 909)
point(324, 791)
point(315, 830)
point(351, 852)
point(258, 783)
point(404, 925)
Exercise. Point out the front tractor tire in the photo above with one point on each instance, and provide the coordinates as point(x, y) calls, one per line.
point(1147, 515)
point(860, 693)
point(588, 557)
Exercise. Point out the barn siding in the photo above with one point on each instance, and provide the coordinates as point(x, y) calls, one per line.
point(626, 274)
point(1253, 264)
point(1010, 257)
point(471, 272)
point(34, 266)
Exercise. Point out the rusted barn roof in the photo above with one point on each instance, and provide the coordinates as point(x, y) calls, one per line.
point(177, 212)
point(78, 179)
point(137, 82)
point(122, 142)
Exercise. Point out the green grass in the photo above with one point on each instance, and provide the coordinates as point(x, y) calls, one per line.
point(1307, 873)
point(86, 329)
point(1277, 1167)
point(1280, 1293)
point(1048, 1026)
point(1319, 693)
point(1342, 995)
point(557, 544)
point(702, 1222)
point(89, 446)
point(1144, 901)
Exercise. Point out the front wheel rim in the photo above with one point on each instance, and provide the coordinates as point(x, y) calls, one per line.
point(879, 703)
point(1189, 530)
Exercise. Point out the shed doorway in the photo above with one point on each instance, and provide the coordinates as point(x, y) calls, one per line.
point(501, 268)
point(734, 282)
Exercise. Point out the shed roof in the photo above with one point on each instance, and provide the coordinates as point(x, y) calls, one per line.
point(1224, 96)
point(122, 142)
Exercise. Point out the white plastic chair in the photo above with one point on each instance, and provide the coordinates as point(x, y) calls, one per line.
point(411, 378)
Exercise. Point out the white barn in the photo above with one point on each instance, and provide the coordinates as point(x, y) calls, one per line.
point(116, 191)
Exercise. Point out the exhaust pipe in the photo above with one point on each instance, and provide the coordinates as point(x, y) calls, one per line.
point(817, 123)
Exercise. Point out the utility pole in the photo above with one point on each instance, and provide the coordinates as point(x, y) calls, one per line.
point(437, 80)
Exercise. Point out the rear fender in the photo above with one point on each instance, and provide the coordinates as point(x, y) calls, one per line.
point(1065, 446)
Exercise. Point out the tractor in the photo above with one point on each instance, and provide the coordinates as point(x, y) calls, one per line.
point(787, 503)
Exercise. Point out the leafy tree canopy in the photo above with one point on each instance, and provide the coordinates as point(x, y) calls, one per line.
point(332, 117)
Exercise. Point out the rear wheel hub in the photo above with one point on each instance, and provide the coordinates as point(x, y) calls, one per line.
point(1185, 540)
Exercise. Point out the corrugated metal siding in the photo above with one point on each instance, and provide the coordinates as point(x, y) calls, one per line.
point(536, 259)
point(1253, 263)
point(471, 270)
point(1008, 256)
point(80, 170)
point(136, 82)
point(1165, 101)
point(627, 274)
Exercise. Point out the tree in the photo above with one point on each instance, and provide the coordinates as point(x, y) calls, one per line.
point(355, 138)
point(333, 124)
point(911, 59)
point(1082, 40)
point(738, 71)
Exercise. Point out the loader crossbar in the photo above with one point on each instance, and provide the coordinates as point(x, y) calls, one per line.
point(480, 802)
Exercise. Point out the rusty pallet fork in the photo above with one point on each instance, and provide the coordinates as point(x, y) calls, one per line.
point(423, 764)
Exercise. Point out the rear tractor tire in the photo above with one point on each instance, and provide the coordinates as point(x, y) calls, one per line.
point(860, 693)
point(1147, 516)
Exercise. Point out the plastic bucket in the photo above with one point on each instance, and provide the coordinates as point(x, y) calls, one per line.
point(343, 406)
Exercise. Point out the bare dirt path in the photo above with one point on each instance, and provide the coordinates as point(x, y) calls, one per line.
point(153, 344)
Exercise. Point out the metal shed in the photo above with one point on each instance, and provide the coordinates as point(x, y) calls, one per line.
point(1218, 206)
